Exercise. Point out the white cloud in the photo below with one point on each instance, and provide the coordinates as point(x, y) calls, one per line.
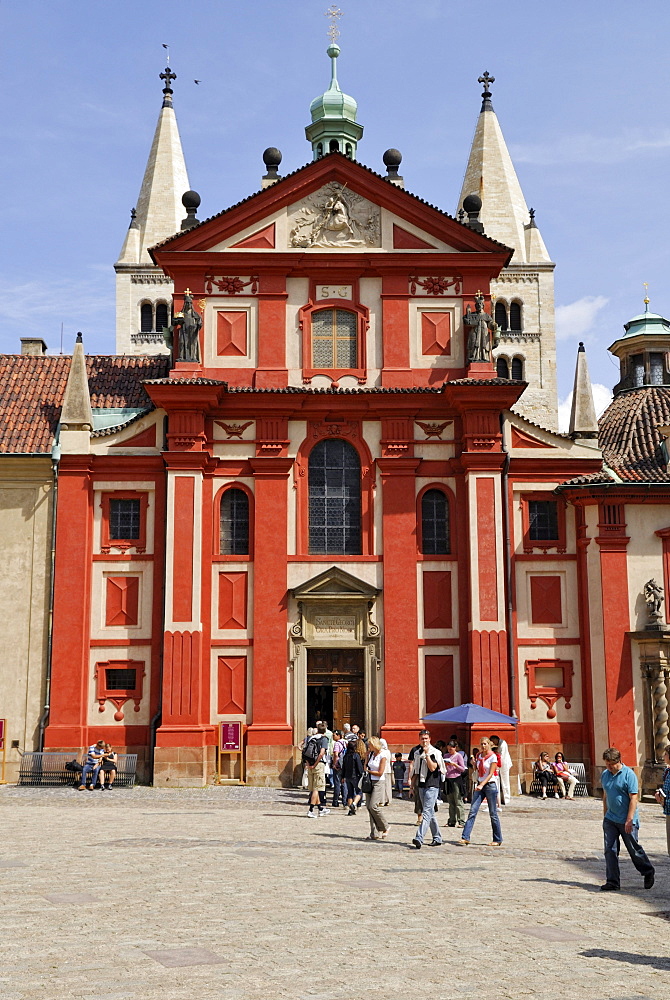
point(602, 396)
point(577, 318)
point(585, 148)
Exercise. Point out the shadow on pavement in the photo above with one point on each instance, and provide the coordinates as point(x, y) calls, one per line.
point(656, 961)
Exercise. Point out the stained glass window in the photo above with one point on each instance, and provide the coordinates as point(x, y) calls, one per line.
point(334, 499)
point(234, 523)
point(334, 340)
point(543, 518)
point(124, 518)
point(434, 523)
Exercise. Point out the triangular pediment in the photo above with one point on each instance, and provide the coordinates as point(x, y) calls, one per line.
point(331, 204)
point(334, 583)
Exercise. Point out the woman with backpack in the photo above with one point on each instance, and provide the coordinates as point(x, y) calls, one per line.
point(352, 771)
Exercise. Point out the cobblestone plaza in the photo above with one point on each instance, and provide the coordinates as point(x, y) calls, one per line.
point(231, 893)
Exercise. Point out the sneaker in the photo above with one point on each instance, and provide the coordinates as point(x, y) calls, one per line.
point(556, 795)
point(495, 843)
point(649, 880)
point(610, 887)
point(436, 843)
point(323, 812)
point(311, 814)
point(417, 844)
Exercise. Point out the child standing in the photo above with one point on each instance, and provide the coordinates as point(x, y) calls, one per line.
point(398, 767)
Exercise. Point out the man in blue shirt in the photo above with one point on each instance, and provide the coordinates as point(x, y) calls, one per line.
point(620, 798)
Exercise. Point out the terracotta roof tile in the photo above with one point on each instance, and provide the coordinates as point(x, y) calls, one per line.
point(629, 435)
point(32, 389)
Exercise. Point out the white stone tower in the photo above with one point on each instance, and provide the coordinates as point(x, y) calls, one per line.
point(143, 292)
point(524, 307)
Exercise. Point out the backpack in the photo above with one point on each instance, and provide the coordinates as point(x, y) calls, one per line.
point(311, 751)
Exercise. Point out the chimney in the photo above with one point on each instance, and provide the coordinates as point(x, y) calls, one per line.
point(34, 346)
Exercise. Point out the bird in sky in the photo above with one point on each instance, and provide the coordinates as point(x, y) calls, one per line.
point(197, 81)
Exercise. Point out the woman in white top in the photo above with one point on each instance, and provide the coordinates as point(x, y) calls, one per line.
point(386, 754)
point(376, 767)
point(485, 787)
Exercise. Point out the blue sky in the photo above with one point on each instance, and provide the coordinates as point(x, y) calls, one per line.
point(580, 93)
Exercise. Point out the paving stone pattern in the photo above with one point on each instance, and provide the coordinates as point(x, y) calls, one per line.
point(233, 894)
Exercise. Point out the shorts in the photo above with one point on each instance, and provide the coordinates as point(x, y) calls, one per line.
point(316, 777)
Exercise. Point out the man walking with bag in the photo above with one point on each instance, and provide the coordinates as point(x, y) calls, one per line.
point(621, 820)
point(313, 757)
point(427, 774)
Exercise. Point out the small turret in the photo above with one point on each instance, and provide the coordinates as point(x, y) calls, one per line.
point(643, 351)
point(334, 128)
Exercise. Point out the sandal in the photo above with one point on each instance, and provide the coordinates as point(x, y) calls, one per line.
point(495, 843)
point(463, 843)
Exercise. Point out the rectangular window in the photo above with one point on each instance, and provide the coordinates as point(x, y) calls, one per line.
point(637, 366)
point(334, 339)
point(656, 369)
point(124, 518)
point(543, 520)
point(117, 679)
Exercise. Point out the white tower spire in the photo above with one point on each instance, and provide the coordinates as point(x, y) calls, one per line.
point(142, 290)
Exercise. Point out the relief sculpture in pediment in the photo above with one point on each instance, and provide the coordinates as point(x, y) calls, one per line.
point(335, 217)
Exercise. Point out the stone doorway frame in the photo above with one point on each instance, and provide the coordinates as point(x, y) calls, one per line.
point(336, 610)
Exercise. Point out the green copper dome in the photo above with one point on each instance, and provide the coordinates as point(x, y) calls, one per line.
point(649, 323)
point(334, 127)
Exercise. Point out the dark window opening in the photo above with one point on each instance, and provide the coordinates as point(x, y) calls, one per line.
point(334, 339)
point(319, 149)
point(334, 499)
point(146, 318)
point(334, 146)
point(543, 520)
point(434, 523)
point(517, 368)
point(500, 315)
point(515, 317)
point(349, 150)
point(120, 679)
point(124, 519)
point(234, 524)
point(161, 316)
point(502, 368)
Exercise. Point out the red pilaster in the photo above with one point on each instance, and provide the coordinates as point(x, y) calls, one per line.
point(271, 371)
point(72, 604)
point(269, 704)
point(395, 323)
point(401, 669)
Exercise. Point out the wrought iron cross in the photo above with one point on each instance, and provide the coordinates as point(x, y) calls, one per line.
point(333, 13)
point(168, 76)
point(486, 79)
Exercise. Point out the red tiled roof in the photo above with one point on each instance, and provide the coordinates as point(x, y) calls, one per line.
point(32, 389)
point(629, 435)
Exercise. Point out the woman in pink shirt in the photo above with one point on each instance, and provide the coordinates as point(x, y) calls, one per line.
point(455, 764)
point(486, 787)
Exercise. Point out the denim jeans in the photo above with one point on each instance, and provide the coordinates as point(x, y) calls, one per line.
point(90, 770)
point(490, 793)
point(614, 831)
point(428, 797)
point(339, 791)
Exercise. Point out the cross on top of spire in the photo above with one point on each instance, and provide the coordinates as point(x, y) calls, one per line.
point(333, 13)
point(487, 80)
point(168, 76)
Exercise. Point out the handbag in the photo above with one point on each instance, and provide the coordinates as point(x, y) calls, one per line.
point(367, 784)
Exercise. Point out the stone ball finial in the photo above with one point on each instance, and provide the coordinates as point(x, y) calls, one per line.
point(272, 156)
point(392, 158)
point(472, 204)
point(190, 199)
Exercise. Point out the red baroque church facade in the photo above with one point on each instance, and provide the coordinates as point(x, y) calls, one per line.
point(328, 511)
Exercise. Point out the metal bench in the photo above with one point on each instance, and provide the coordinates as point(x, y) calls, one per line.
point(48, 768)
point(580, 787)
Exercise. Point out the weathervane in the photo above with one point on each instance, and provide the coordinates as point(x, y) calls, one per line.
point(333, 13)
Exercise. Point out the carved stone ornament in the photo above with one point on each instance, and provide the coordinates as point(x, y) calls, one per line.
point(435, 286)
point(335, 217)
point(231, 286)
point(234, 430)
point(433, 430)
point(654, 597)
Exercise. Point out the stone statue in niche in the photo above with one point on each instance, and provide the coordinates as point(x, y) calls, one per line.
point(335, 217)
point(654, 597)
point(483, 331)
point(188, 322)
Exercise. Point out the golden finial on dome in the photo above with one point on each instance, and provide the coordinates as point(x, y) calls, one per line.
point(646, 295)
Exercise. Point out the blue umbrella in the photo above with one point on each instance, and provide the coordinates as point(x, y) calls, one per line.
point(470, 715)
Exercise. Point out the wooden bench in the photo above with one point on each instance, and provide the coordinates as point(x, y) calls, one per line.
point(580, 787)
point(48, 769)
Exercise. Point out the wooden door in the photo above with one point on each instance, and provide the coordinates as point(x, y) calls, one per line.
point(342, 671)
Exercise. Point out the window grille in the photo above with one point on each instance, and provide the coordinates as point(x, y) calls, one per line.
point(334, 339)
point(234, 523)
point(637, 362)
point(334, 499)
point(656, 369)
point(500, 315)
point(434, 523)
point(515, 317)
point(517, 368)
point(120, 679)
point(543, 520)
point(146, 318)
point(161, 316)
point(502, 368)
point(124, 518)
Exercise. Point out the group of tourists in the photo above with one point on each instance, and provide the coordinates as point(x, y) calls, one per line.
point(360, 769)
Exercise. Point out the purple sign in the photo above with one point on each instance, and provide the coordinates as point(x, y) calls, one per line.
point(230, 737)
point(2, 734)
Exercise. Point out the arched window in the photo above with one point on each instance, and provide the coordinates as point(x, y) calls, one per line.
point(234, 523)
point(146, 317)
point(334, 340)
point(319, 150)
point(161, 316)
point(349, 150)
point(517, 368)
point(334, 499)
point(515, 317)
point(334, 146)
point(435, 523)
point(500, 315)
point(502, 368)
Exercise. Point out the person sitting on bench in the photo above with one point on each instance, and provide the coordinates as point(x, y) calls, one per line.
point(564, 776)
point(545, 774)
point(108, 767)
point(94, 756)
